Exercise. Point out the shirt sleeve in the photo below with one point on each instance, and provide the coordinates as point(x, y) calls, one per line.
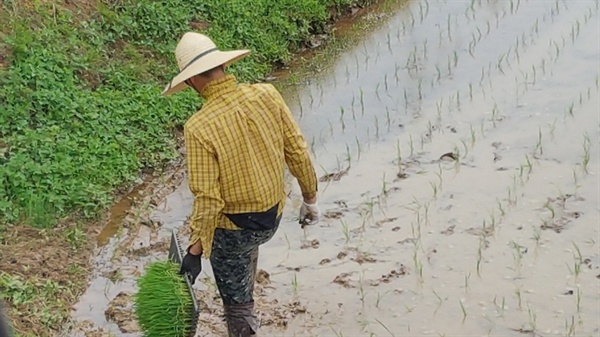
point(203, 176)
point(297, 156)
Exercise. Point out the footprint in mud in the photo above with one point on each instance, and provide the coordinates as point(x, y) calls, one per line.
point(394, 274)
point(335, 176)
point(343, 280)
point(262, 277)
point(88, 329)
point(120, 311)
point(384, 221)
point(560, 217)
point(362, 257)
point(310, 244)
point(449, 230)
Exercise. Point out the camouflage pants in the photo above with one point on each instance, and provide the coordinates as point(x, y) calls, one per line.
point(234, 260)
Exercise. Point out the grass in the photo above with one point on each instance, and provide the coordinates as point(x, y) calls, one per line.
point(83, 114)
point(162, 304)
point(41, 293)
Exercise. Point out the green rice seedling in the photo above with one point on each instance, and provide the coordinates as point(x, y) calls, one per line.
point(500, 208)
point(425, 49)
point(376, 127)
point(295, 283)
point(378, 300)
point(549, 207)
point(538, 145)
point(426, 213)
point(470, 92)
point(570, 327)
point(342, 119)
point(384, 190)
point(537, 236)
point(579, 257)
point(385, 327)
point(519, 295)
point(449, 30)
point(361, 289)
point(388, 118)
point(411, 146)
point(337, 333)
point(466, 284)
point(405, 101)
point(362, 102)
point(420, 88)
point(480, 255)
point(464, 310)
point(529, 165)
point(578, 299)
point(163, 305)
point(364, 324)
point(348, 156)
point(358, 147)
point(499, 308)
point(532, 319)
point(396, 70)
point(586, 152)
point(517, 257)
point(440, 300)
point(346, 230)
point(353, 110)
point(456, 57)
point(287, 241)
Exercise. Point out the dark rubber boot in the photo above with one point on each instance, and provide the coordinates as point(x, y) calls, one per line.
point(241, 321)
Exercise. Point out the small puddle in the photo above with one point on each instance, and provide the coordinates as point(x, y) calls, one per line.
point(119, 212)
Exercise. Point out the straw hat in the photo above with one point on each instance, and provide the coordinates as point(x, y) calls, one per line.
point(195, 54)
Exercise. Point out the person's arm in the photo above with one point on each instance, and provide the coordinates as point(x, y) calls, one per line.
point(203, 176)
point(297, 156)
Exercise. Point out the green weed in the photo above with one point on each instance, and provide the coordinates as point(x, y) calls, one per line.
point(82, 111)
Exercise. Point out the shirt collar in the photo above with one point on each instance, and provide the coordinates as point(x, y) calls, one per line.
point(219, 87)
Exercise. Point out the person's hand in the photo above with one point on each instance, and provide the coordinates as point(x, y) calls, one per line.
point(192, 265)
point(309, 214)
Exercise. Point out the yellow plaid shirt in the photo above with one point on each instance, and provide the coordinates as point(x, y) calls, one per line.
point(237, 146)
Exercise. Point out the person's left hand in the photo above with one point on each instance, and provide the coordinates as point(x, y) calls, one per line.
point(191, 264)
point(309, 214)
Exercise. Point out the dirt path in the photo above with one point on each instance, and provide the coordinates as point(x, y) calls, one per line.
point(459, 155)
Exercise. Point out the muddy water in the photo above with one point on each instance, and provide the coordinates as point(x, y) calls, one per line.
point(501, 241)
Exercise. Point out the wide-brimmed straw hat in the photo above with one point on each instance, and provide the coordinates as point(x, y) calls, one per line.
point(195, 54)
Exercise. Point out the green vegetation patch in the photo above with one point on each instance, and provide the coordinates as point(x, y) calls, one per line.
point(80, 106)
point(163, 305)
point(81, 112)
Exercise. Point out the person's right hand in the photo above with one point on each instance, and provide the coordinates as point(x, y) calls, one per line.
point(192, 265)
point(309, 214)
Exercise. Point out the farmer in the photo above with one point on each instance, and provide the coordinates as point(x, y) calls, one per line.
point(237, 147)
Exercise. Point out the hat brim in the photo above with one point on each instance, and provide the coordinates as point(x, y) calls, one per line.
point(207, 62)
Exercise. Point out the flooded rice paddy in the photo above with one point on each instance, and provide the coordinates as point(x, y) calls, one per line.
point(457, 147)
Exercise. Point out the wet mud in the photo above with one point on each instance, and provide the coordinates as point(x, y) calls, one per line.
point(457, 150)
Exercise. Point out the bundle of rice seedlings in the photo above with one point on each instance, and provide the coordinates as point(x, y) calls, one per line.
point(163, 304)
